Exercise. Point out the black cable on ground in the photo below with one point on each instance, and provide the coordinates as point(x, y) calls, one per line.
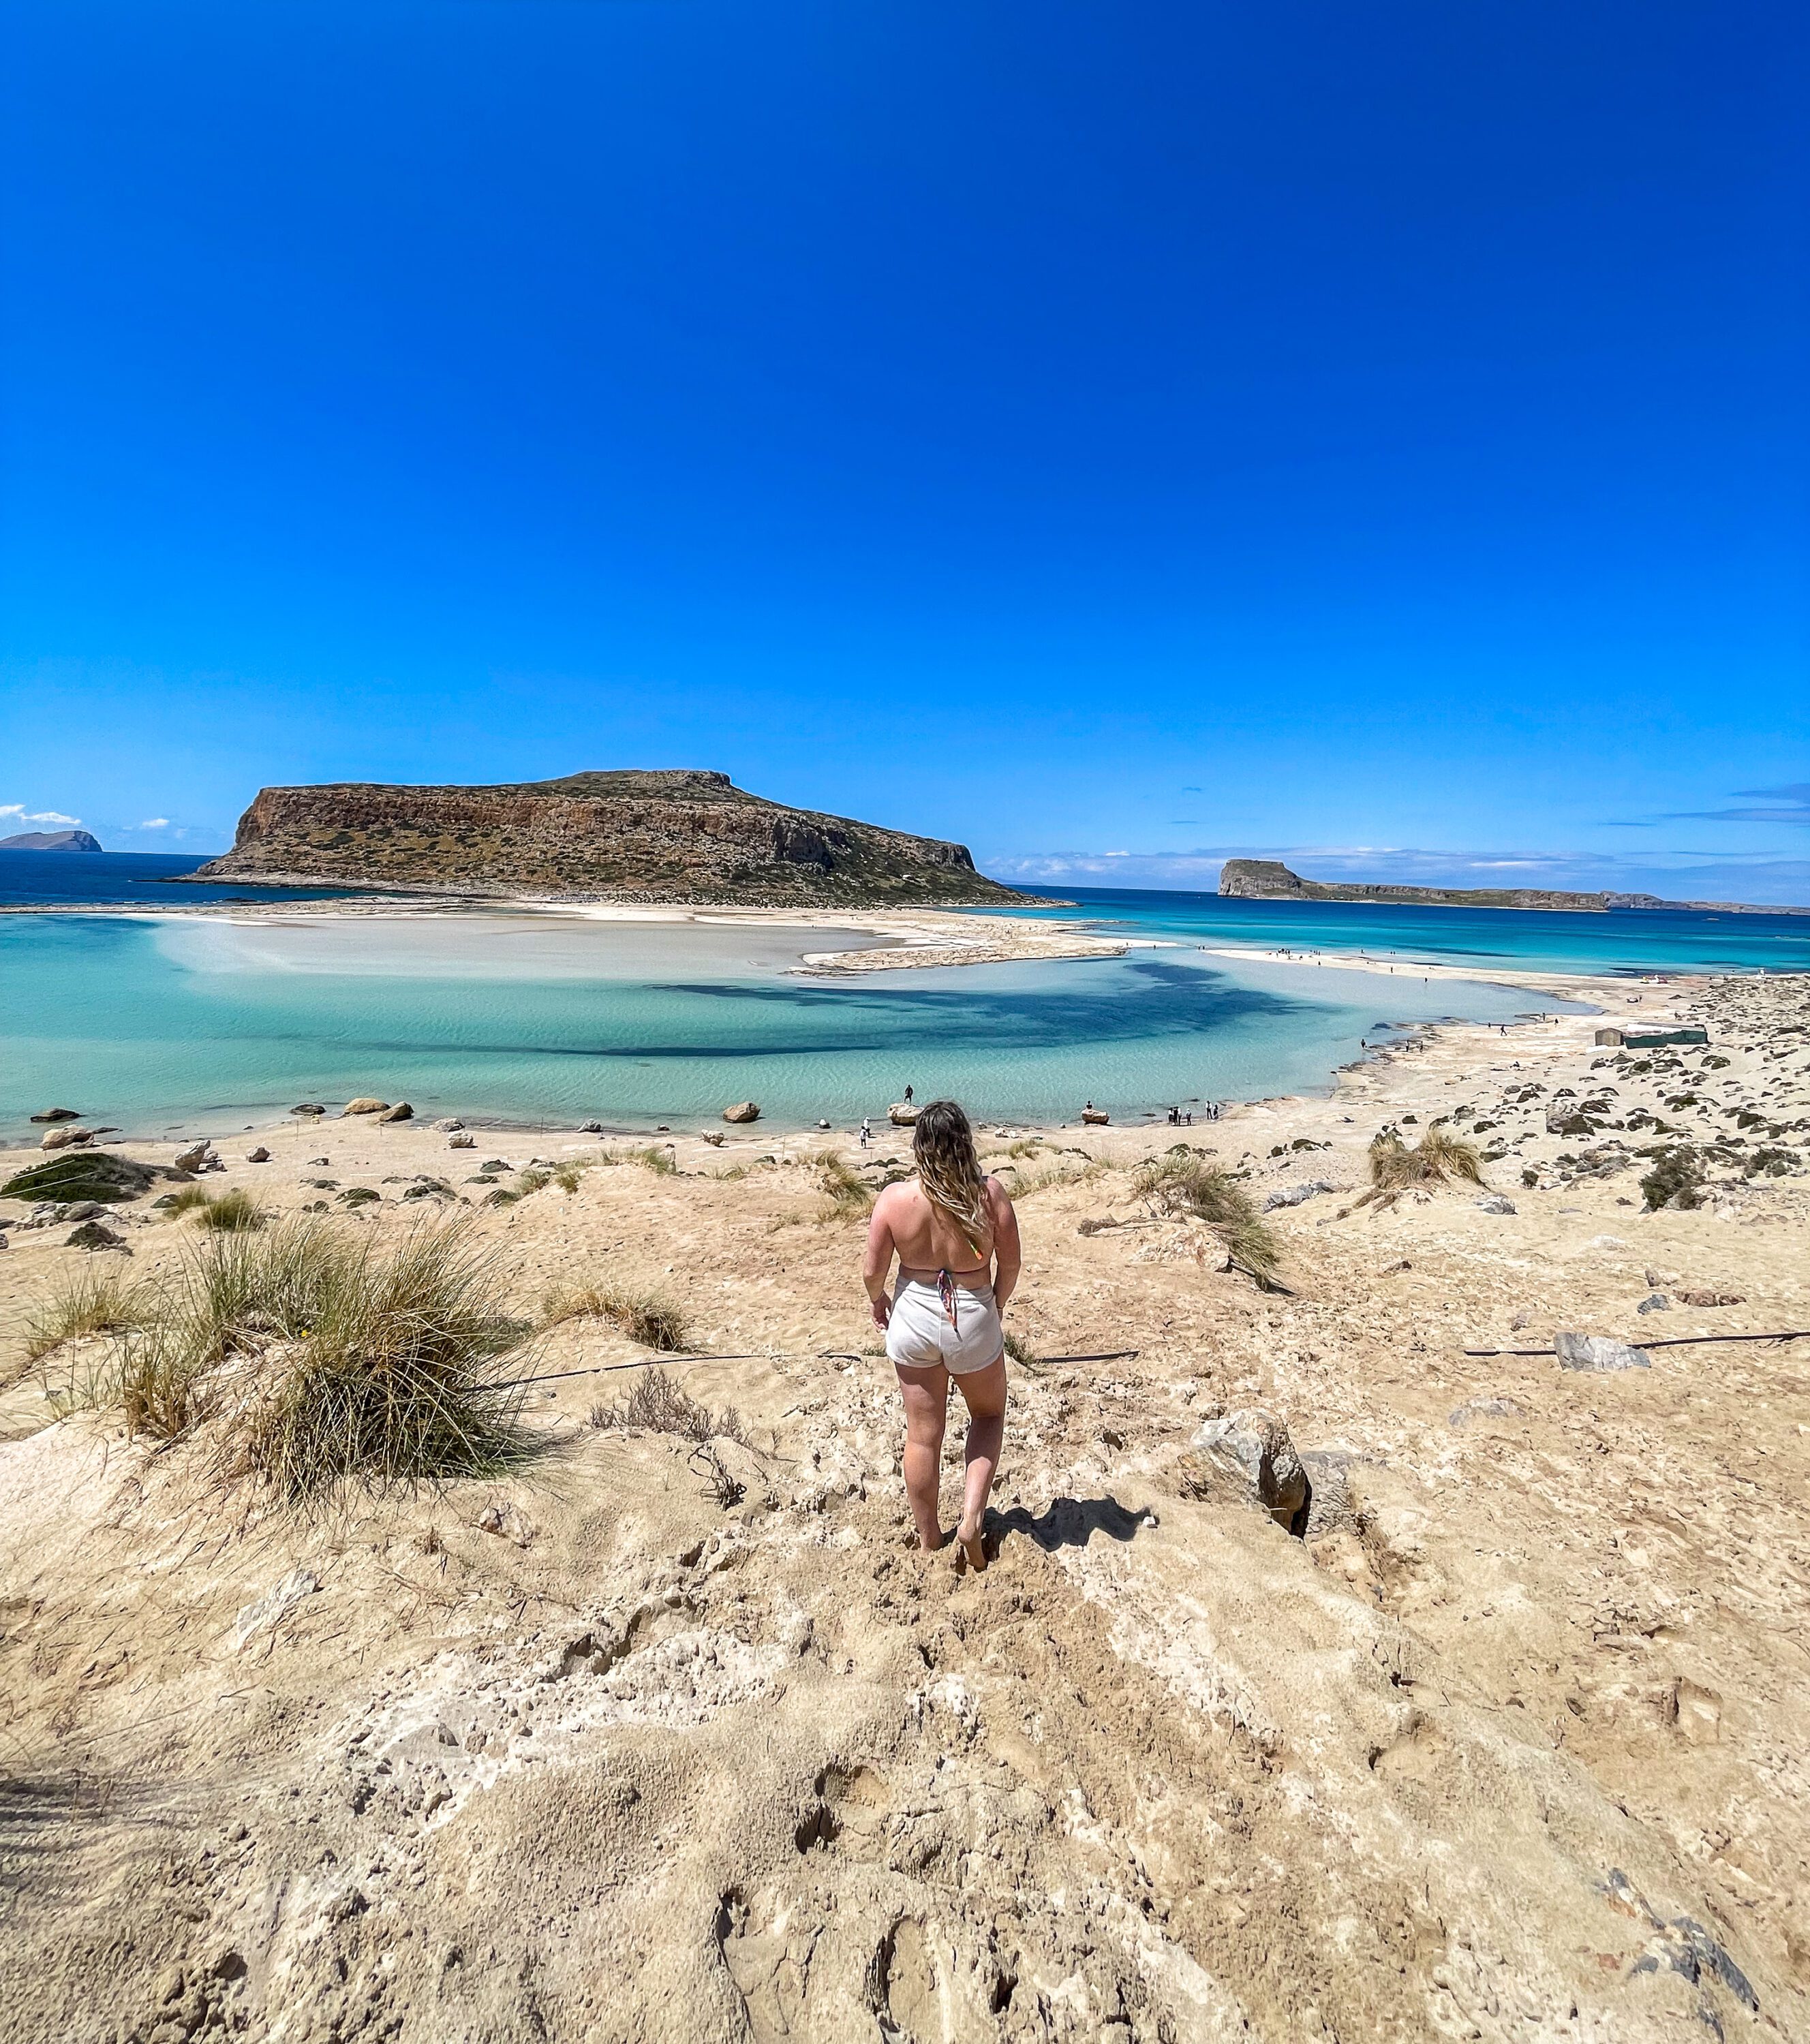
point(764, 1355)
point(1660, 1341)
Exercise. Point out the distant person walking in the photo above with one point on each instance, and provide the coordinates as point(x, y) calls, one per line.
point(956, 1238)
point(866, 1132)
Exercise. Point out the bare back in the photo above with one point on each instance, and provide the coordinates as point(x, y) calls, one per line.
point(925, 1238)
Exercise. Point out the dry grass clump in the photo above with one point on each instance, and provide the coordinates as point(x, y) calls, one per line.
point(233, 1213)
point(657, 1405)
point(322, 1357)
point(1436, 1157)
point(642, 1317)
point(93, 1302)
point(1021, 1184)
point(847, 1196)
point(393, 1381)
point(186, 1198)
point(1183, 1184)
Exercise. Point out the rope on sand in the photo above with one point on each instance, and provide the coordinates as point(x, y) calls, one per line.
point(763, 1355)
point(1662, 1341)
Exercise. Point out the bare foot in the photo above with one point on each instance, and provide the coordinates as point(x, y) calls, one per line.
point(973, 1546)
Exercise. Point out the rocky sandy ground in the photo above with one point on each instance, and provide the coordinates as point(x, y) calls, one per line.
point(1510, 1745)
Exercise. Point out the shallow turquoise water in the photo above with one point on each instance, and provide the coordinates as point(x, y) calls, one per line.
point(1627, 940)
point(186, 1023)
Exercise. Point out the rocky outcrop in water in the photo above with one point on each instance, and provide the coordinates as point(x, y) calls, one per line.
point(1269, 880)
point(676, 836)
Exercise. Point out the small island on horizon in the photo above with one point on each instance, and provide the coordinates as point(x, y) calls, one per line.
point(1269, 880)
point(59, 840)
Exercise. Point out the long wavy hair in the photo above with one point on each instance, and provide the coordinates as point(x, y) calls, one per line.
point(943, 1147)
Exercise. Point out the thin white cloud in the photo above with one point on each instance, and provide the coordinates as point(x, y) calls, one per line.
point(36, 815)
point(154, 822)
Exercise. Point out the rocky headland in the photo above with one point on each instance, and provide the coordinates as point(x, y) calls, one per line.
point(1269, 880)
point(680, 836)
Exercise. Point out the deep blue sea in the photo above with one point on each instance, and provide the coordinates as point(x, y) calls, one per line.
point(162, 1023)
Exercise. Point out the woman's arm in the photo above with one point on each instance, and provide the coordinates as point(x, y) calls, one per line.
point(877, 1264)
point(1007, 1257)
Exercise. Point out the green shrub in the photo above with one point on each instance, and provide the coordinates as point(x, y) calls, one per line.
point(1675, 1180)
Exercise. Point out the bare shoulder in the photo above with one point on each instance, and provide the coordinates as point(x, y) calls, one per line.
point(998, 1198)
point(895, 1199)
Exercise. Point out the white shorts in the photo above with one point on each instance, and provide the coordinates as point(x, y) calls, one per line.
point(921, 1335)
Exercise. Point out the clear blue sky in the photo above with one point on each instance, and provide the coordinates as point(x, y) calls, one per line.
point(1375, 434)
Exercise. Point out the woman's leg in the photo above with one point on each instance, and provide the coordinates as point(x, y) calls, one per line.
point(983, 1391)
point(926, 1394)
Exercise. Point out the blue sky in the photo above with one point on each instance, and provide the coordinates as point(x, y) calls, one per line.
point(1112, 435)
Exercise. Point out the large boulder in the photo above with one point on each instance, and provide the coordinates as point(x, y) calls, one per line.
point(365, 1103)
point(58, 1114)
point(86, 1174)
point(744, 1110)
point(64, 1138)
point(902, 1114)
point(401, 1112)
point(1250, 1451)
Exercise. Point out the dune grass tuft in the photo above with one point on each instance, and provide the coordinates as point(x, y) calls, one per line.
point(1436, 1157)
point(645, 1317)
point(393, 1380)
point(93, 1302)
point(847, 1196)
point(233, 1213)
point(320, 1356)
point(1187, 1185)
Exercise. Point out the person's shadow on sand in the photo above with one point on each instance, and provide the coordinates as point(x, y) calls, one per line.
point(1070, 1522)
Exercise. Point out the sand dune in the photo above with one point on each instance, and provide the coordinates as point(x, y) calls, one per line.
point(1509, 1745)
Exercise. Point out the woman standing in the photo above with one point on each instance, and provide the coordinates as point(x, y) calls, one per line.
point(956, 1238)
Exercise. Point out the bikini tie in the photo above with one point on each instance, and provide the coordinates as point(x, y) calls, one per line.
point(946, 1292)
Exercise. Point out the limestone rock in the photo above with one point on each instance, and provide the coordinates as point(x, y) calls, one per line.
point(401, 1112)
point(1252, 1449)
point(1494, 1203)
point(1654, 1302)
point(902, 1114)
point(62, 1139)
point(590, 1127)
point(310, 1107)
point(196, 1158)
point(365, 1104)
point(744, 1110)
point(58, 1114)
point(450, 1125)
point(91, 1235)
point(463, 1143)
point(1295, 1196)
point(1598, 1352)
point(260, 1156)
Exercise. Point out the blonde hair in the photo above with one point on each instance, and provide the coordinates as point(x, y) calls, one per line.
point(943, 1147)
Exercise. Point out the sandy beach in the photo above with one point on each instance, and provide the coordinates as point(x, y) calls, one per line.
point(1504, 1743)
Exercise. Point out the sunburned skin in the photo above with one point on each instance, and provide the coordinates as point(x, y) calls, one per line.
point(927, 1242)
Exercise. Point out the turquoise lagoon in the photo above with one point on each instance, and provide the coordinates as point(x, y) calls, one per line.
point(159, 1023)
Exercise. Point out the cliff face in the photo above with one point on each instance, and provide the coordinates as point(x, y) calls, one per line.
point(683, 835)
point(1268, 879)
